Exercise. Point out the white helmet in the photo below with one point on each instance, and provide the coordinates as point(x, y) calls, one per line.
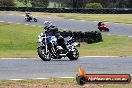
point(47, 23)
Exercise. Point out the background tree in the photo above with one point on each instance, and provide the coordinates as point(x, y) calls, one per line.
point(104, 3)
point(129, 3)
point(94, 5)
point(20, 0)
point(73, 3)
point(39, 3)
point(7, 3)
point(113, 3)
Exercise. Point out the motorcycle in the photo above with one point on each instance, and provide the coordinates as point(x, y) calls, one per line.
point(48, 48)
point(29, 17)
point(102, 26)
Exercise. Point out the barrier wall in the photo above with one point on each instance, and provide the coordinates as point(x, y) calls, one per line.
point(65, 10)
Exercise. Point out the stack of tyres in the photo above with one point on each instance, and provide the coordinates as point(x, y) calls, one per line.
point(88, 37)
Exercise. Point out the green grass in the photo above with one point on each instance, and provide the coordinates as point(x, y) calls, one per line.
point(112, 45)
point(19, 40)
point(117, 18)
point(18, 37)
point(20, 4)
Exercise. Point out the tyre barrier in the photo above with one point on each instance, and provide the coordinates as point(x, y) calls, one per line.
point(88, 37)
point(70, 10)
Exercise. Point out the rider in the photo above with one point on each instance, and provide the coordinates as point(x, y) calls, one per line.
point(99, 24)
point(52, 30)
point(28, 15)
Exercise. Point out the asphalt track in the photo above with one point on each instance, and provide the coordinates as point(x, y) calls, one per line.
point(115, 28)
point(37, 69)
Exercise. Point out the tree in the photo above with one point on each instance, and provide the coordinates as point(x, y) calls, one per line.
point(130, 4)
point(7, 3)
point(20, 0)
point(113, 3)
point(94, 5)
point(39, 3)
point(73, 3)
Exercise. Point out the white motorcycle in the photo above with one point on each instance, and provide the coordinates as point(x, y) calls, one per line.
point(29, 17)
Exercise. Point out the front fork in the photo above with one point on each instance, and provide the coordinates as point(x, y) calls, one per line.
point(46, 47)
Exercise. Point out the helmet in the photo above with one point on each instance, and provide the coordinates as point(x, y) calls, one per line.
point(47, 23)
point(27, 12)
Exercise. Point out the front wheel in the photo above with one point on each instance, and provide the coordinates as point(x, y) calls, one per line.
point(81, 80)
point(27, 19)
point(73, 55)
point(43, 55)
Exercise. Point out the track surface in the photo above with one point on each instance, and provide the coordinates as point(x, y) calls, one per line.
point(117, 29)
point(36, 68)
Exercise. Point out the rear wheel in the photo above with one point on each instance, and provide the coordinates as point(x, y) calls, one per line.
point(43, 55)
point(35, 20)
point(73, 55)
point(107, 29)
point(99, 28)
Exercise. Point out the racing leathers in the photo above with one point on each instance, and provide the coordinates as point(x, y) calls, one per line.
point(53, 31)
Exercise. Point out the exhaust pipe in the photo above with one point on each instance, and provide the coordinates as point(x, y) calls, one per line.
point(62, 54)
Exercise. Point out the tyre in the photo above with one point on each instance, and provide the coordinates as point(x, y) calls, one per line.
point(107, 29)
point(35, 20)
point(81, 80)
point(99, 28)
point(73, 55)
point(42, 55)
point(27, 19)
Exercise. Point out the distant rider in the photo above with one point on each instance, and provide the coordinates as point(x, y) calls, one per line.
point(52, 30)
point(100, 23)
point(28, 15)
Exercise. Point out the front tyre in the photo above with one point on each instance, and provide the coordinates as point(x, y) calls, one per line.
point(42, 54)
point(73, 55)
point(81, 80)
point(27, 19)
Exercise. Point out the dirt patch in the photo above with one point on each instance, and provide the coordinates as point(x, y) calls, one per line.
point(51, 86)
point(45, 15)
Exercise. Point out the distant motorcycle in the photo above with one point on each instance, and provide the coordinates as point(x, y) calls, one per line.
point(29, 17)
point(102, 26)
point(49, 49)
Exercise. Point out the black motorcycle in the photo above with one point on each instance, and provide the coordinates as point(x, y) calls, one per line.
point(49, 48)
point(29, 17)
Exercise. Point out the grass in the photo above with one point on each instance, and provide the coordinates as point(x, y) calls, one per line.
point(116, 18)
point(19, 40)
point(112, 45)
point(59, 83)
